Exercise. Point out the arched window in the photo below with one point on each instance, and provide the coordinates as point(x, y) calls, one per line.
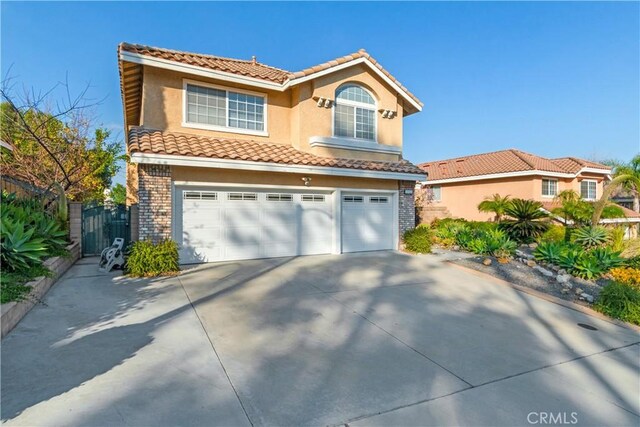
point(354, 113)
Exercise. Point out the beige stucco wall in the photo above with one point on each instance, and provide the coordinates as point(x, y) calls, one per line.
point(292, 116)
point(462, 198)
point(231, 176)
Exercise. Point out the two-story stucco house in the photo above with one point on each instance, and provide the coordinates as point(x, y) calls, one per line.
point(458, 185)
point(235, 159)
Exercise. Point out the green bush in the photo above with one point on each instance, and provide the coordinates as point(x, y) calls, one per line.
point(147, 259)
point(620, 301)
point(590, 237)
point(527, 220)
point(549, 251)
point(418, 240)
point(555, 233)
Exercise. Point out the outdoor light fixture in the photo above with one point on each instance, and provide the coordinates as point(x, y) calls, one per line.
point(322, 102)
point(387, 114)
point(307, 181)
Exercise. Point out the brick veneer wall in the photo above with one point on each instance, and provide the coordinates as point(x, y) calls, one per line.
point(407, 207)
point(154, 202)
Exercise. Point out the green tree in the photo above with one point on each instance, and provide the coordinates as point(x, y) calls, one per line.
point(526, 220)
point(119, 194)
point(58, 147)
point(625, 176)
point(495, 204)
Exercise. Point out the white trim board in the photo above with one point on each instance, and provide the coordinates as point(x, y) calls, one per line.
point(534, 172)
point(352, 144)
point(206, 162)
point(137, 58)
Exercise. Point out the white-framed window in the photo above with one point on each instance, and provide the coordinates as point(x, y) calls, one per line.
point(354, 113)
point(353, 199)
point(588, 189)
point(313, 197)
point(242, 196)
point(278, 197)
point(219, 108)
point(549, 187)
point(378, 199)
point(436, 193)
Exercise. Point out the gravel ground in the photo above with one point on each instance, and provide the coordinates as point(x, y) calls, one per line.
point(523, 275)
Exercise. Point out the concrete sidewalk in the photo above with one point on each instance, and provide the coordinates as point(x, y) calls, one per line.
point(369, 339)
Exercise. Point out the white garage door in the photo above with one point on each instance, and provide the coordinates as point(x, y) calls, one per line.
point(244, 224)
point(367, 222)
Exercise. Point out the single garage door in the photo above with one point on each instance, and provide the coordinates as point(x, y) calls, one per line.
point(367, 222)
point(221, 225)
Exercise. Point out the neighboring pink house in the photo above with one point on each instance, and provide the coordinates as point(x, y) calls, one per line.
point(458, 185)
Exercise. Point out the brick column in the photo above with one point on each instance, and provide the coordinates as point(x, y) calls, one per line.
point(406, 206)
point(154, 202)
point(75, 223)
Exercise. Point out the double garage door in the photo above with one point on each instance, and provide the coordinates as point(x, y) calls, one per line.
point(221, 225)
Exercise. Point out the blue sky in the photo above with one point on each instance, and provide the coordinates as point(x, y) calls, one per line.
point(554, 79)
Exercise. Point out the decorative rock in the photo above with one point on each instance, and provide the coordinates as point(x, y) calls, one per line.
point(531, 263)
point(562, 271)
point(543, 271)
point(587, 297)
point(487, 261)
point(455, 248)
point(520, 254)
point(554, 267)
point(579, 291)
point(565, 290)
point(563, 278)
point(533, 245)
point(567, 285)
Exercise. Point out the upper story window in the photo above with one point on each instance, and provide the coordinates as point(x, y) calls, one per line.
point(354, 113)
point(588, 189)
point(549, 187)
point(216, 108)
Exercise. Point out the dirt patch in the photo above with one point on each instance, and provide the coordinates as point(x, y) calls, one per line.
point(520, 274)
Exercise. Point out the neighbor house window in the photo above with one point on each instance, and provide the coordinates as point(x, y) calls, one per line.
point(436, 193)
point(223, 108)
point(588, 189)
point(549, 187)
point(354, 113)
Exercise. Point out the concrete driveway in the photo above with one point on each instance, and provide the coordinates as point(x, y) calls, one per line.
point(366, 339)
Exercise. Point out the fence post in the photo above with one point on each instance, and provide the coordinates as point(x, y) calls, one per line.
point(75, 223)
point(134, 222)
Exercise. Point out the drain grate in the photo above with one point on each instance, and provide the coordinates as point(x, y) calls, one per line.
point(589, 327)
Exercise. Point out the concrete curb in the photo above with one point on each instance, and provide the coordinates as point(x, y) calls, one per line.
point(12, 312)
point(567, 304)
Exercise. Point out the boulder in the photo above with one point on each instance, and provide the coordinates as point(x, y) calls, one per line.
point(579, 291)
point(531, 263)
point(563, 278)
point(487, 261)
point(587, 297)
point(543, 271)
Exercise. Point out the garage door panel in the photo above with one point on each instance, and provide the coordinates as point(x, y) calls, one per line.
point(235, 225)
point(367, 222)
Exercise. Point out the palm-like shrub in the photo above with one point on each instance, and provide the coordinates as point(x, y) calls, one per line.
point(495, 204)
point(526, 220)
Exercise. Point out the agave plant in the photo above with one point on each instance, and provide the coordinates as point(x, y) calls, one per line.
point(591, 237)
point(549, 252)
point(607, 258)
point(570, 257)
point(526, 220)
point(478, 246)
point(587, 267)
point(19, 249)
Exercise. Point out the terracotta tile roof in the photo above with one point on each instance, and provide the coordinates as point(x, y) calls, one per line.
point(573, 164)
point(252, 68)
point(504, 161)
point(248, 68)
point(143, 140)
point(348, 58)
point(628, 213)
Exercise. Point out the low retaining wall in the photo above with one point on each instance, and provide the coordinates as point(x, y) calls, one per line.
point(13, 312)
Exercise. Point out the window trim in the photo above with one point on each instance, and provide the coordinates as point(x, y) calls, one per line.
point(227, 129)
point(354, 104)
point(548, 196)
point(595, 197)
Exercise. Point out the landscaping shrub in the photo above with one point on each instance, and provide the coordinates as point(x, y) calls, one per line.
point(147, 259)
point(590, 237)
point(555, 233)
point(418, 240)
point(550, 252)
point(620, 301)
point(527, 220)
point(633, 262)
point(626, 275)
point(607, 258)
